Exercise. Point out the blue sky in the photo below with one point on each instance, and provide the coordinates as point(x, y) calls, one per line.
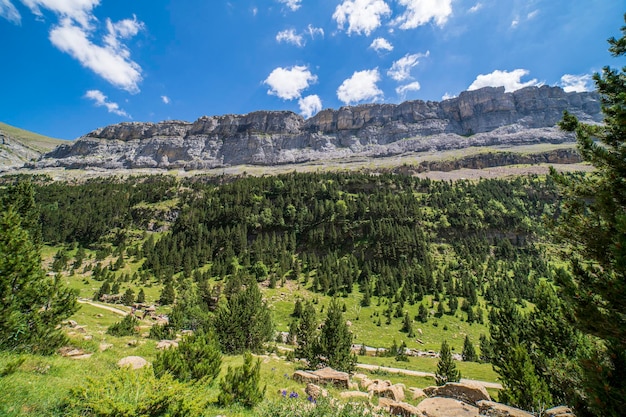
point(71, 66)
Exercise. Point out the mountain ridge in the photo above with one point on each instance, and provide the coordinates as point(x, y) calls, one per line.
point(485, 117)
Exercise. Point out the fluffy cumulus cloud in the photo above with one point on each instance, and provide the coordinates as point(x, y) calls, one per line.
point(401, 69)
point(403, 89)
point(420, 12)
point(310, 105)
point(100, 100)
point(111, 61)
point(361, 86)
point(381, 44)
point(576, 83)
point(448, 96)
point(75, 32)
point(9, 12)
point(361, 16)
point(165, 99)
point(291, 4)
point(289, 83)
point(290, 36)
point(510, 80)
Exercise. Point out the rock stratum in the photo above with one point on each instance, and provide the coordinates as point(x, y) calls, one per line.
point(485, 117)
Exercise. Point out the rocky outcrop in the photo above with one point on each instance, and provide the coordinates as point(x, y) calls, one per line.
point(488, 116)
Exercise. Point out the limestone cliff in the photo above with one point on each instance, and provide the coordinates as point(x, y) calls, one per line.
point(488, 116)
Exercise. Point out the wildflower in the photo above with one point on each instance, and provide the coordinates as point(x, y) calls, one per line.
point(284, 393)
point(293, 394)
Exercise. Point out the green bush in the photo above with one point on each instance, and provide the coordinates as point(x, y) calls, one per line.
point(126, 327)
point(128, 393)
point(241, 384)
point(197, 357)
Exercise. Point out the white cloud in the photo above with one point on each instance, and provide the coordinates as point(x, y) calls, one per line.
point(403, 89)
point(165, 99)
point(448, 96)
point(290, 36)
point(112, 62)
point(401, 69)
point(576, 83)
point(511, 81)
point(361, 86)
point(532, 14)
point(313, 31)
point(475, 8)
point(288, 83)
point(291, 4)
point(9, 12)
point(79, 11)
point(420, 12)
point(100, 100)
point(310, 105)
point(381, 44)
point(362, 16)
point(255, 11)
point(515, 23)
point(74, 34)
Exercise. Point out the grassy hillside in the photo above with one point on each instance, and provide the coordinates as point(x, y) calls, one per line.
point(29, 139)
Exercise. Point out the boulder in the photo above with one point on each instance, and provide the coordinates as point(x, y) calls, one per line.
point(330, 376)
point(560, 411)
point(354, 394)
point(445, 407)
point(416, 393)
point(398, 408)
point(305, 377)
point(395, 392)
point(466, 392)
point(315, 391)
point(365, 383)
point(105, 346)
point(134, 362)
point(494, 409)
point(166, 344)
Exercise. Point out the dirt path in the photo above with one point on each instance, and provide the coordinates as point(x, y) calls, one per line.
point(104, 307)
point(423, 374)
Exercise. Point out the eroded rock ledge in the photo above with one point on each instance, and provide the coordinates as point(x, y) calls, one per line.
point(484, 117)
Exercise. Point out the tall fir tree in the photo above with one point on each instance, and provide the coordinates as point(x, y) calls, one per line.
point(593, 224)
point(32, 305)
point(245, 321)
point(446, 368)
point(469, 352)
point(335, 340)
point(306, 335)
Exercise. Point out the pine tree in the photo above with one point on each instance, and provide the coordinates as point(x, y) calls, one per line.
point(129, 297)
point(245, 322)
point(241, 384)
point(306, 335)
point(593, 223)
point(168, 295)
point(407, 325)
point(422, 314)
point(335, 341)
point(141, 296)
point(446, 368)
point(196, 357)
point(469, 352)
point(31, 304)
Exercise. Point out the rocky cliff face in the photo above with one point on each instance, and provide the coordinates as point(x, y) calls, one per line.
point(488, 116)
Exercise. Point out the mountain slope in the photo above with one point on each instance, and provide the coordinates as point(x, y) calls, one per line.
point(18, 146)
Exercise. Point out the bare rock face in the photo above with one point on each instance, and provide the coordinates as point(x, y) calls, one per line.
point(484, 117)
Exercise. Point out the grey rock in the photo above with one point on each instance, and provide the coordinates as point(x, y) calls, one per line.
point(484, 117)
